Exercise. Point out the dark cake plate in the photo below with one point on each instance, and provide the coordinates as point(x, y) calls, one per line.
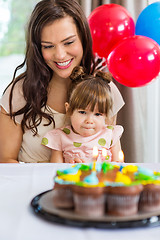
point(43, 206)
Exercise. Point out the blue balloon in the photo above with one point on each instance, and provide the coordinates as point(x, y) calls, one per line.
point(148, 22)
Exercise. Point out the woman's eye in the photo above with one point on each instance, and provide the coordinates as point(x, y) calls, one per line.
point(68, 43)
point(47, 47)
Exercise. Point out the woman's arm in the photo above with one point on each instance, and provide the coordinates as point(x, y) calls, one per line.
point(115, 152)
point(10, 139)
point(56, 157)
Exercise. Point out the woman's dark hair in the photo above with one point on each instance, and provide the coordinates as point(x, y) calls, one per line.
point(37, 75)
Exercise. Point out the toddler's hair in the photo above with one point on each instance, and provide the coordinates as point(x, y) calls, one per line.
point(89, 91)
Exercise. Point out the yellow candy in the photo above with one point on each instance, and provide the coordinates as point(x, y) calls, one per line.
point(130, 168)
point(116, 166)
point(157, 182)
point(145, 182)
point(122, 178)
point(92, 186)
point(71, 177)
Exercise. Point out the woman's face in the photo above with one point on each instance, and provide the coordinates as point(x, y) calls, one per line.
point(61, 46)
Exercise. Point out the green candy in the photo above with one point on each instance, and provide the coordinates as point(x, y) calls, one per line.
point(107, 166)
point(84, 167)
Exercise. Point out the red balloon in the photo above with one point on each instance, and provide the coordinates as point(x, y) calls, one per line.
point(135, 61)
point(109, 24)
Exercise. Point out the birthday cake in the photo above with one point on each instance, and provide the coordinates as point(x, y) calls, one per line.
point(106, 188)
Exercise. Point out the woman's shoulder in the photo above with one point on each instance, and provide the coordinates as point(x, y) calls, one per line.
point(18, 100)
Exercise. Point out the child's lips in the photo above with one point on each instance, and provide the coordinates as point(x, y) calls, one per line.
point(88, 128)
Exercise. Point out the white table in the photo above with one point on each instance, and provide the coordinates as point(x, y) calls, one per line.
point(20, 183)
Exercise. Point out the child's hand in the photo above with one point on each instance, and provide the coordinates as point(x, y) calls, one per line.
point(76, 160)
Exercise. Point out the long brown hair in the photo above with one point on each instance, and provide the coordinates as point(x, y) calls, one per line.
point(89, 91)
point(37, 75)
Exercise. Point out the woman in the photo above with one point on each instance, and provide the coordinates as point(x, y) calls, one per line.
point(58, 39)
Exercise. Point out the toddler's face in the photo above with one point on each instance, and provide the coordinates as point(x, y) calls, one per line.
point(87, 123)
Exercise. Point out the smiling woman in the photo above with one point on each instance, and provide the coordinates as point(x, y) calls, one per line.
point(58, 38)
point(141, 114)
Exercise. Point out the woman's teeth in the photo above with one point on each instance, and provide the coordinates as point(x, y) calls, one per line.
point(63, 64)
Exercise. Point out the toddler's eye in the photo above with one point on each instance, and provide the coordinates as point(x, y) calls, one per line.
point(98, 114)
point(82, 112)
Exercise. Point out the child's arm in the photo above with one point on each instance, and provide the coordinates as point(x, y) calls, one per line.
point(115, 152)
point(56, 156)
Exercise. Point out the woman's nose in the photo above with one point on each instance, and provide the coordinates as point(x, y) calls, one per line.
point(59, 53)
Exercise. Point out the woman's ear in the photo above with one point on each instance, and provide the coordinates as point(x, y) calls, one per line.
point(66, 106)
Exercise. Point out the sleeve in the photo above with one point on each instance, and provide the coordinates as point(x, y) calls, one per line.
point(52, 139)
point(18, 100)
point(117, 132)
point(118, 101)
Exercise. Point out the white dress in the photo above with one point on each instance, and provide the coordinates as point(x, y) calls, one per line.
point(31, 148)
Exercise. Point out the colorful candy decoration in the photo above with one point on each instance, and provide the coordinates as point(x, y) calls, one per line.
point(126, 175)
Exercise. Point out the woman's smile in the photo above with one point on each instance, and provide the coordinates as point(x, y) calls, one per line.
point(64, 65)
point(61, 51)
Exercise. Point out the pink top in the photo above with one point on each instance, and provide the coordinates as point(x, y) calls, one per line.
point(73, 145)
